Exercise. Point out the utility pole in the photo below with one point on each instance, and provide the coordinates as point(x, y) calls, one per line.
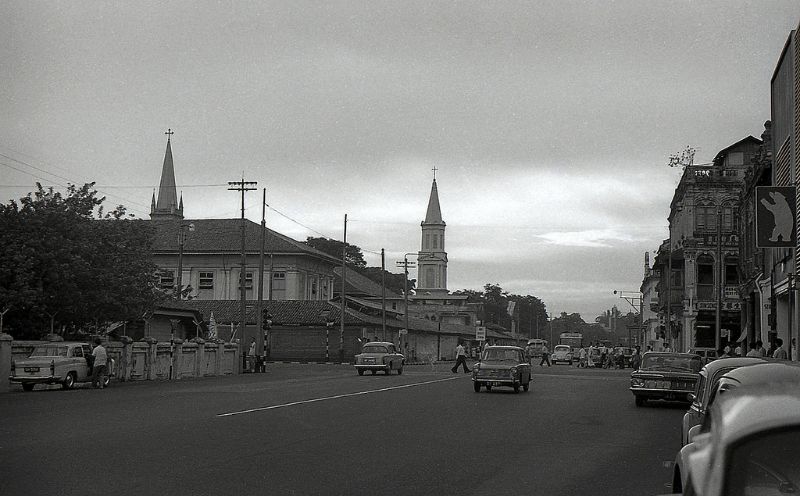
point(383, 292)
point(344, 278)
point(260, 345)
point(405, 264)
point(242, 186)
point(720, 284)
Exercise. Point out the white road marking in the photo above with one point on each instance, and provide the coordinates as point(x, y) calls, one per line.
point(325, 398)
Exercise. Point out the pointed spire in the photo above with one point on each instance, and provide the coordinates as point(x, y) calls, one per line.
point(153, 202)
point(434, 213)
point(166, 205)
point(180, 205)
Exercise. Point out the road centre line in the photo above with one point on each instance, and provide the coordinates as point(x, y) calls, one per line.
point(325, 398)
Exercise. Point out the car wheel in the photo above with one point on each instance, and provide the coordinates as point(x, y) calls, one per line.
point(640, 401)
point(570, 362)
point(516, 387)
point(476, 386)
point(106, 380)
point(400, 371)
point(360, 371)
point(27, 387)
point(526, 386)
point(69, 381)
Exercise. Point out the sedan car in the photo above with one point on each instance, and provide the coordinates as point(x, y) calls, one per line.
point(502, 366)
point(758, 376)
point(65, 363)
point(379, 355)
point(665, 376)
point(752, 447)
point(706, 383)
point(561, 353)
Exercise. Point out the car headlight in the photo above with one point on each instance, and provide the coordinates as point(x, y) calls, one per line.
point(637, 382)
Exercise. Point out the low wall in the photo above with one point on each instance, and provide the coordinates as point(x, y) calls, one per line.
point(146, 360)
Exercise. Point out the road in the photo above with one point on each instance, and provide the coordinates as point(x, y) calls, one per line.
point(321, 429)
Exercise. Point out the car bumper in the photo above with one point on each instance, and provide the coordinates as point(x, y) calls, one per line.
point(664, 394)
point(496, 381)
point(35, 380)
point(372, 366)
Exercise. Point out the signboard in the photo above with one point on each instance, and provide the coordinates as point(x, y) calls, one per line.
point(775, 216)
point(480, 333)
point(402, 332)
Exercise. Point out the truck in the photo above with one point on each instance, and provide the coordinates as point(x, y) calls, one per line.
point(573, 339)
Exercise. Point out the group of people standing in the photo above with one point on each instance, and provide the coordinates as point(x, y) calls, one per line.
point(776, 350)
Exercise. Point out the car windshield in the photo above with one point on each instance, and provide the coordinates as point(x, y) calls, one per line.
point(501, 355)
point(562, 348)
point(49, 351)
point(672, 363)
point(374, 349)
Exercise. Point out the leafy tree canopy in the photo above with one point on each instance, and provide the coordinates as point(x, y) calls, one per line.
point(353, 255)
point(64, 262)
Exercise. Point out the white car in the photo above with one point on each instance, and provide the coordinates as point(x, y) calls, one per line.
point(59, 362)
point(749, 402)
point(561, 353)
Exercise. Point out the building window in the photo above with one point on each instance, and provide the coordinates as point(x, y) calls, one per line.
point(206, 280)
point(313, 289)
point(325, 290)
point(248, 281)
point(736, 158)
point(166, 279)
point(435, 241)
point(279, 285)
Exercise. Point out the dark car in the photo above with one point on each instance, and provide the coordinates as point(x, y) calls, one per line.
point(707, 382)
point(502, 366)
point(665, 376)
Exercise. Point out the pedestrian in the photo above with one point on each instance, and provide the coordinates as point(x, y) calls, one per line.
point(760, 347)
point(649, 347)
point(754, 351)
point(794, 349)
point(251, 355)
point(636, 359)
point(771, 350)
point(779, 352)
point(590, 357)
point(545, 356)
point(99, 364)
point(582, 358)
point(726, 352)
point(461, 359)
point(667, 349)
point(738, 351)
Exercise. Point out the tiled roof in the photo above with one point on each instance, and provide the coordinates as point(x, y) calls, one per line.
point(291, 312)
point(359, 285)
point(225, 235)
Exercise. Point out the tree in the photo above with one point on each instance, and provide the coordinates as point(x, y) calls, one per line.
point(64, 261)
point(332, 247)
point(394, 282)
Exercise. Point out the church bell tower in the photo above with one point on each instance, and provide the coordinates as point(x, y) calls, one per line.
point(432, 258)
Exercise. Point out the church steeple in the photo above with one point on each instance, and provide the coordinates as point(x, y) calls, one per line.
point(166, 206)
point(432, 259)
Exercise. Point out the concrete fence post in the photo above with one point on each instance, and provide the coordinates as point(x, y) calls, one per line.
point(126, 359)
point(151, 358)
point(177, 358)
point(200, 357)
point(5, 362)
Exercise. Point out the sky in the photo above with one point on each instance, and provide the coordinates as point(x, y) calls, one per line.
point(550, 123)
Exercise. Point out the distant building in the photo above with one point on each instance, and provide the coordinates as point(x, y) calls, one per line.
point(651, 324)
point(699, 284)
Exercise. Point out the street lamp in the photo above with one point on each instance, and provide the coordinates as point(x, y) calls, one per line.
point(181, 241)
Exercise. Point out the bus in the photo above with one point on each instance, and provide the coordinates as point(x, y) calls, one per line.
point(573, 339)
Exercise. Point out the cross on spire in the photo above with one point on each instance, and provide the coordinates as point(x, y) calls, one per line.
point(169, 133)
point(434, 172)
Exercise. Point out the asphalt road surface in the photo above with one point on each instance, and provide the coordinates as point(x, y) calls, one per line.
point(322, 429)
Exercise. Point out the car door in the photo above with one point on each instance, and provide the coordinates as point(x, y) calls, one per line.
point(78, 362)
point(524, 366)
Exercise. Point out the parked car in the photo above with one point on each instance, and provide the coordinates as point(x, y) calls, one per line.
point(665, 376)
point(622, 356)
point(596, 357)
point(751, 447)
point(706, 383)
point(757, 376)
point(536, 345)
point(708, 354)
point(379, 355)
point(561, 353)
point(61, 362)
point(502, 366)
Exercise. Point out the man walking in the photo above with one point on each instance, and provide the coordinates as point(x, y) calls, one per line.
point(545, 356)
point(461, 359)
point(99, 367)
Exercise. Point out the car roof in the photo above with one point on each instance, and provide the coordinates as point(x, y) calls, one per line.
point(764, 373)
point(751, 409)
point(669, 353)
point(504, 347)
point(382, 343)
point(712, 367)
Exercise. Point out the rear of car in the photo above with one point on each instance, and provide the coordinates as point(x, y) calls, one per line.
point(52, 363)
point(377, 356)
point(665, 376)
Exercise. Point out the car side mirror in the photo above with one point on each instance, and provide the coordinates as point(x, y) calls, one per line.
point(692, 434)
point(691, 397)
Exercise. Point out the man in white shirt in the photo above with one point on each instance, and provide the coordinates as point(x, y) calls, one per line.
point(461, 359)
point(99, 367)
